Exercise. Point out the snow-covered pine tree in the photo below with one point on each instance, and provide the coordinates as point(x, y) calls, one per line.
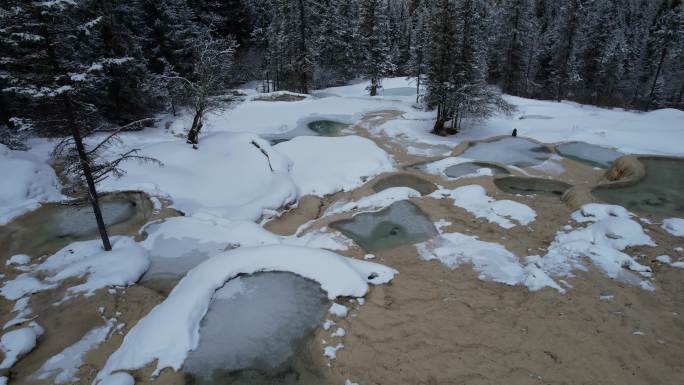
point(601, 53)
point(333, 42)
point(663, 44)
point(563, 57)
point(420, 44)
point(440, 83)
point(513, 39)
point(375, 47)
point(60, 89)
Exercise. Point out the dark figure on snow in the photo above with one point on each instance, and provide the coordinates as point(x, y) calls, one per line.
point(515, 132)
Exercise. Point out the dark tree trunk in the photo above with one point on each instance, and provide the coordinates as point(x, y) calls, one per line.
point(655, 79)
point(438, 128)
point(374, 87)
point(193, 134)
point(85, 166)
point(303, 78)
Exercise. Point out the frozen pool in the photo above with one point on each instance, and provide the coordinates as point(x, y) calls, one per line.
point(462, 169)
point(55, 225)
point(327, 127)
point(590, 154)
point(529, 186)
point(660, 192)
point(402, 223)
point(421, 185)
point(513, 151)
point(255, 323)
point(323, 127)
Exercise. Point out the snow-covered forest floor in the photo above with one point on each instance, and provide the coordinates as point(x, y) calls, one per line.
point(430, 279)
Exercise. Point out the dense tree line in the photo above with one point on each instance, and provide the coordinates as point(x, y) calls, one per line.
point(139, 57)
point(94, 68)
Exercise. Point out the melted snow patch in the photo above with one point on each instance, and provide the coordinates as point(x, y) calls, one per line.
point(63, 366)
point(491, 260)
point(122, 266)
point(674, 226)
point(608, 231)
point(171, 329)
point(474, 199)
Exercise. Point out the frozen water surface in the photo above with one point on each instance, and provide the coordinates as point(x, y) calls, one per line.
point(310, 126)
point(462, 169)
point(421, 185)
point(327, 127)
point(514, 151)
point(660, 192)
point(402, 223)
point(257, 322)
point(529, 186)
point(590, 154)
point(79, 220)
point(399, 91)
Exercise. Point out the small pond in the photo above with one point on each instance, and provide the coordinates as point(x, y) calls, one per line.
point(660, 192)
point(462, 169)
point(590, 154)
point(513, 151)
point(402, 223)
point(421, 185)
point(326, 127)
point(55, 225)
point(530, 186)
point(254, 328)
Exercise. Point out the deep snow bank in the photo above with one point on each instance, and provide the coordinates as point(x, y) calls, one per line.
point(324, 165)
point(27, 181)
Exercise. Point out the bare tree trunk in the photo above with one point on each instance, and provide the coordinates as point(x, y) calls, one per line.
point(85, 167)
point(193, 134)
point(418, 88)
point(303, 79)
point(438, 128)
point(374, 87)
point(655, 79)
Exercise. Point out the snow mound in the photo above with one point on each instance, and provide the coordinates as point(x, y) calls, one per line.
point(122, 266)
point(237, 176)
point(32, 182)
point(171, 329)
point(491, 260)
point(674, 226)
point(17, 343)
point(474, 199)
point(325, 165)
point(609, 230)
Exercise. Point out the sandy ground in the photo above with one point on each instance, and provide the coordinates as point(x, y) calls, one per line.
point(433, 325)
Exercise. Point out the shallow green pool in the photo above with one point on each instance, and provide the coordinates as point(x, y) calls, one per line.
point(402, 223)
point(660, 192)
point(327, 127)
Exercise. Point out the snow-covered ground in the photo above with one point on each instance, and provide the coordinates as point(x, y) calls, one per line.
point(237, 178)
